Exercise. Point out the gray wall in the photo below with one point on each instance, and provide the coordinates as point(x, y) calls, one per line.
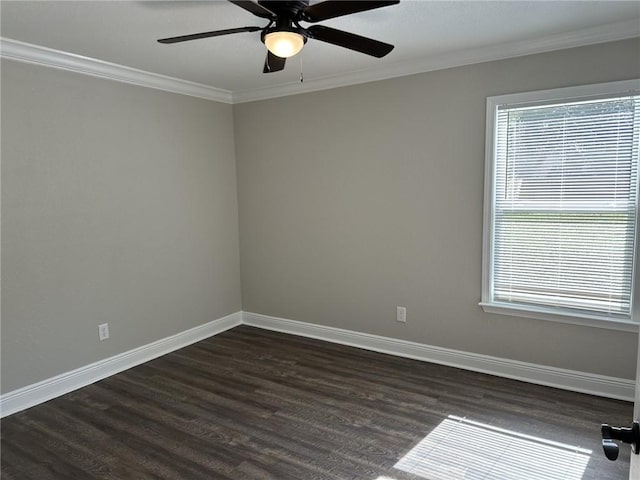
point(119, 205)
point(358, 199)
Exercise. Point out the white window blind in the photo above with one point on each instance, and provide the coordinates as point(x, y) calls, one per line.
point(564, 204)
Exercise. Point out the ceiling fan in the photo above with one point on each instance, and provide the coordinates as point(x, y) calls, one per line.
point(284, 36)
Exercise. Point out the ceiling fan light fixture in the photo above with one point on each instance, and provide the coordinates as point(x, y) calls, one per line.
point(284, 44)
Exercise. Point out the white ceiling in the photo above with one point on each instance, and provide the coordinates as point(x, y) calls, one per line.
point(425, 34)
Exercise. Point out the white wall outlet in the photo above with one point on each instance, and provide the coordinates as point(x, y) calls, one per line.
point(103, 331)
point(401, 314)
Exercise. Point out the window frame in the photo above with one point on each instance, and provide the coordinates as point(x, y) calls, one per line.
point(558, 314)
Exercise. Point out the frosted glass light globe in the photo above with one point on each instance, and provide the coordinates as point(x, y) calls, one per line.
point(284, 44)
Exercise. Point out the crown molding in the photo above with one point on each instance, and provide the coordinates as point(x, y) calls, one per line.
point(600, 34)
point(35, 54)
point(28, 53)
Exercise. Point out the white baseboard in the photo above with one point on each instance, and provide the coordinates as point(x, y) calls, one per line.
point(604, 386)
point(601, 385)
point(40, 392)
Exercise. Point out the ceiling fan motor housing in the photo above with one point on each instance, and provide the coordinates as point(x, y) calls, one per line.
point(284, 28)
point(288, 14)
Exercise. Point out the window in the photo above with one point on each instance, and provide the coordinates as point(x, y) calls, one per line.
point(561, 200)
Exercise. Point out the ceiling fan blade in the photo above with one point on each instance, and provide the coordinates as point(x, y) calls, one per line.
point(217, 33)
point(273, 63)
point(257, 10)
point(351, 41)
point(331, 9)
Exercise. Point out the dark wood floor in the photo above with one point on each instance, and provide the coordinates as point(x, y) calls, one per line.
point(253, 404)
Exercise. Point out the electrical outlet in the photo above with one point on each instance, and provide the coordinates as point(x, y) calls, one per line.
point(103, 331)
point(401, 314)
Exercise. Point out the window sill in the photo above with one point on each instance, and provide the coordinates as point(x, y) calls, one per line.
point(538, 313)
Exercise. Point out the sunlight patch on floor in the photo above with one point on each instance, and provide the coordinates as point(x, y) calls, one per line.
point(460, 449)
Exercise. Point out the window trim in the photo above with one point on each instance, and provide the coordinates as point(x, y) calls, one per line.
point(575, 317)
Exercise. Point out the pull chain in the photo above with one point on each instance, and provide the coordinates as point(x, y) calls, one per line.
point(301, 74)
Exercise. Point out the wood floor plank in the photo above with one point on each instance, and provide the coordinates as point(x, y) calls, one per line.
point(251, 404)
